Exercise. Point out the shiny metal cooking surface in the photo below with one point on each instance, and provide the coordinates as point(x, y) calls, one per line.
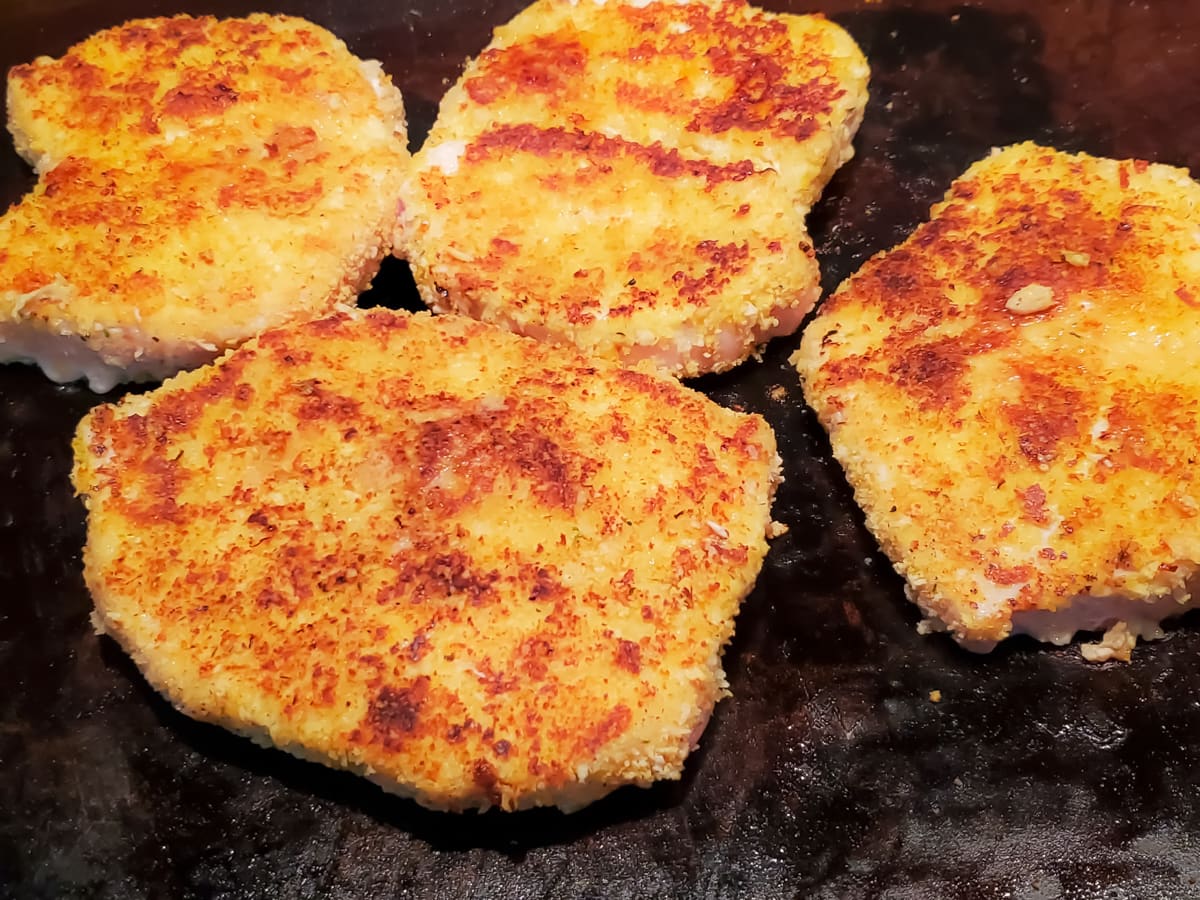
point(830, 773)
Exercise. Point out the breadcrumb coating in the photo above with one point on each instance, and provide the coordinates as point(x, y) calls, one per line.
point(633, 178)
point(199, 181)
point(477, 569)
point(1008, 394)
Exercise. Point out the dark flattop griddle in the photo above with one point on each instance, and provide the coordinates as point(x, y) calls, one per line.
point(830, 772)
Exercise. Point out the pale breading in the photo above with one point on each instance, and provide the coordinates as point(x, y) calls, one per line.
point(477, 569)
point(1009, 394)
point(200, 180)
point(633, 178)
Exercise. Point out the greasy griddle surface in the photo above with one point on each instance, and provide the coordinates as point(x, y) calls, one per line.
point(830, 772)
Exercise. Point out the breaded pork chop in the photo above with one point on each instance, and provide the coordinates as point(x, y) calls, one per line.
point(633, 178)
point(1009, 396)
point(200, 180)
point(477, 569)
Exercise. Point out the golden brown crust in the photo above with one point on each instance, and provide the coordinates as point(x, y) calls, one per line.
point(476, 568)
point(605, 174)
point(719, 81)
point(201, 179)
point(1006, 393)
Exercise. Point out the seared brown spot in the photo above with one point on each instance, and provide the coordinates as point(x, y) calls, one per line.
point(162, 481)
point(259, 189)
point(762, 99)
point(662, 161)
point(183, 32)
point(727, 260)
point(323, 405)
point(484, 776)
point(547, 64)
point(460, 460)
point(445, 575)
point(260, 518)
point(933, 373)
point(243, 394)
point(726, 256)
point(269, 597)
point(1008, 575)
point(495, 682)
point(324, 682)
point(135, 36)
point(294, 141)
point(1138, 442)
point(546, 585)
point(1033, 501)
point(752, 52)
point(534, 655)
point(394, 714)
point(629, 656)
point(611, 727)
point(1046, 416)
point(418, 647)
point(196, 99)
